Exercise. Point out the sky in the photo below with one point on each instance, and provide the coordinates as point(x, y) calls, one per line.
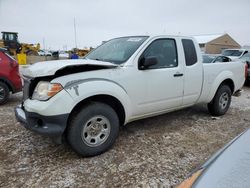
point(51, 22)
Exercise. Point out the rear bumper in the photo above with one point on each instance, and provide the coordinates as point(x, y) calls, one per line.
point(52, 126)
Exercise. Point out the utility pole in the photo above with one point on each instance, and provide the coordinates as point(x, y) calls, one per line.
point(44, 49)
point(75, 32)
point(43, 43)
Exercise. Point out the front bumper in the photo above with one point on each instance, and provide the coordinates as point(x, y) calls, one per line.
point(52, 126)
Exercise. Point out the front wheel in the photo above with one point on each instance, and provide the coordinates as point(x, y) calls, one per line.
point(221, 101)
point(93, 130)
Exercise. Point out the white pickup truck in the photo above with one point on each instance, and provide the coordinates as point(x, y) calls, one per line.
point(125, 79)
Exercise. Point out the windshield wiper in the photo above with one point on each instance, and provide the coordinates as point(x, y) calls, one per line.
point(97, 59)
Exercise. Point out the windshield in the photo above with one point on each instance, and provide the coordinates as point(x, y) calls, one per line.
point(208, 58)
point(117, 50)
point(232, 52)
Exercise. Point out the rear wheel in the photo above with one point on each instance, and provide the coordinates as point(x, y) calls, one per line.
point(221, 101)
point(93, 130)
point(4, 93)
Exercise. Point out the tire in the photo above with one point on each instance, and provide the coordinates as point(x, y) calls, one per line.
point(221, 101)
point(93, 130)
point(4, 93)
point(247, 82)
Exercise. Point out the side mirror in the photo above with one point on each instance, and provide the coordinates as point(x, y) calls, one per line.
point(147, 62)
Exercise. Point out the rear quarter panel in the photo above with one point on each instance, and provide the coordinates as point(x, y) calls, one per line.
point(10, 74)
point(216, 73)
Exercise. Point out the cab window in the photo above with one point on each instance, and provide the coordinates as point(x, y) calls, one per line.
point(189, 51)
point(164, 50)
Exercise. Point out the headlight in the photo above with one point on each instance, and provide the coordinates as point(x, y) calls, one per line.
point(45, 90)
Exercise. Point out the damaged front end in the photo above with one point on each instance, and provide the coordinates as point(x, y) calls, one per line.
point(38, 112)
point(44, 71)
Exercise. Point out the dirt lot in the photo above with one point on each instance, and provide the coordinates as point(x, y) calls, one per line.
point(157, 151)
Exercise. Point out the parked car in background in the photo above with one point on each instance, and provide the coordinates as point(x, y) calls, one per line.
point(229, 167)
point(44, 53)
point(234, 53)
point(123, 80)
point(10, 80)
point(64, 55)
point(246, 58)
point(208, 58)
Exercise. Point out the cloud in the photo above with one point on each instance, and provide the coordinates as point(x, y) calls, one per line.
point(99, 20)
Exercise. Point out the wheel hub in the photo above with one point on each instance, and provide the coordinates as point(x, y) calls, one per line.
point(96, 131)
point(223, 101)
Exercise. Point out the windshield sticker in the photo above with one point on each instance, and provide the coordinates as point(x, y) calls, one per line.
point(134, 39)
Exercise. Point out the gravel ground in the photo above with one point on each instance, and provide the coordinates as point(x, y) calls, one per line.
point(156, 151)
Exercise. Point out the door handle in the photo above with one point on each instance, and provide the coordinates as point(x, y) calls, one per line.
point(178, 74)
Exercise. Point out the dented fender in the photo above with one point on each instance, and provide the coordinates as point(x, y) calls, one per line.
point(82, 89)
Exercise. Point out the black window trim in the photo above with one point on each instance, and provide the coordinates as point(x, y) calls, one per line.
point(177, 59)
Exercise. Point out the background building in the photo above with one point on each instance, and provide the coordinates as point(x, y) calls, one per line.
point(214, 44)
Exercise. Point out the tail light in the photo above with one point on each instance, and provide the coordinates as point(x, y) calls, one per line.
point(246, 69)
point(248, 64)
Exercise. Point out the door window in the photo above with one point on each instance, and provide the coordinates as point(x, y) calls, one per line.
point(165, 51)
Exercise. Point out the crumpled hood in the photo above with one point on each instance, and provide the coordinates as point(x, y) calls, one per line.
point(49, 68)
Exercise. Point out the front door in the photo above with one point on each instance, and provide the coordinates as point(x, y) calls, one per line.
point(164, 81)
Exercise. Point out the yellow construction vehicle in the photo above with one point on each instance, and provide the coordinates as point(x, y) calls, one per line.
point(81, 52)
point(11, 43)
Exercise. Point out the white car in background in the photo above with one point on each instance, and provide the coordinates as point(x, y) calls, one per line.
point(63, 54)
point(44, 53)
point(234, 53)
point(211, 58)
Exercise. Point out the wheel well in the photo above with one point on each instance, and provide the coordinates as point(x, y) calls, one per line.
point(229, 83)
point(8, 84)
point(107, 99)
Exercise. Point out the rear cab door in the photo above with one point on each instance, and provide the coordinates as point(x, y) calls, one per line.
point(193, 71)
